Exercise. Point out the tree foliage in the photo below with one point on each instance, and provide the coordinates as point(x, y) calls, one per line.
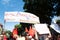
point(41, 8)
point(18, 26)
point(58, 21)
point(8, 33)
point(20, 29)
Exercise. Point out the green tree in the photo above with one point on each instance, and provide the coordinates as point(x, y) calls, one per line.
point(17, 26)
point(41, 8)
point(8, 33)
point(20, 29)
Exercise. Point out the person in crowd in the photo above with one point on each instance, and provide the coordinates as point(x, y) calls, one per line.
point(55, 30)
point(15, 33)
point(1, 28)
point(1, 37)
point(4, 36)
point(31, 31)
point(11, 37)
point(21, 37)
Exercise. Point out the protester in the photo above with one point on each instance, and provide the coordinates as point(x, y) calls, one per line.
point(15, 33)
point(21, 37)
point(55, 30)
point(1, 28)
point(31, 32)
point(4, 36)
point(1, 37)
point(11, 37)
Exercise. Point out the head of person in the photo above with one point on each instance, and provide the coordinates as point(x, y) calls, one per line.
point(3, 32)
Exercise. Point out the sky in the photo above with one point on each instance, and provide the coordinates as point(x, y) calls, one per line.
point(7, 6)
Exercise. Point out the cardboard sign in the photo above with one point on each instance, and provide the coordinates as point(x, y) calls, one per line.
point(42, 28)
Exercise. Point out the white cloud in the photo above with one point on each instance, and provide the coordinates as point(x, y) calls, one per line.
point(5, 1)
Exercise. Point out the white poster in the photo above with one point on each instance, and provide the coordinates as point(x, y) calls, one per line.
point(21, 17)
point(42, 28)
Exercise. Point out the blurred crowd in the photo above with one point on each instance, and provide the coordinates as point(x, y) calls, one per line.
point(28, 34)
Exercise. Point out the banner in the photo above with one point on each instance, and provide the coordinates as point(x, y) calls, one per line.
point(21, 17)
